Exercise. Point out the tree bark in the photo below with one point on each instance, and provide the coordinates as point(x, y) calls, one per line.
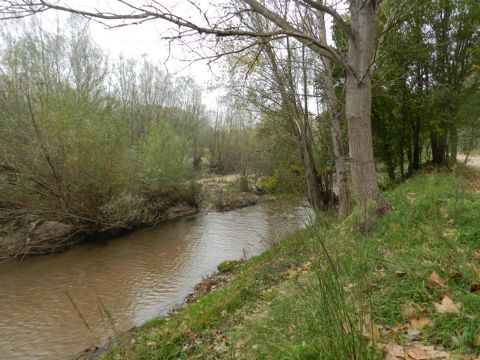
point(314, 193)
point(453, 145)
point(341, 171)
point(358, 106)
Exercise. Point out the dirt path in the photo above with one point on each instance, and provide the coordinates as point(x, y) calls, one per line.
point(473, 161)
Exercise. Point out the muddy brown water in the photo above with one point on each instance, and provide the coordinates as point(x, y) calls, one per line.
point(137, 277)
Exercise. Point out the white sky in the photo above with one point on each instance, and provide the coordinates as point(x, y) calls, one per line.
point(135, 41)
point(145, 40)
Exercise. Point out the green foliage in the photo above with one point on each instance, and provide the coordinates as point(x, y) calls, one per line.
point(73, 147)
point(422, 97)
point(227, 265)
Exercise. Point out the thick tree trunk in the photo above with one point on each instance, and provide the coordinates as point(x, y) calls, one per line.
point(438, 143)
point(364, 176)
point(358, 106)
point(341, 171)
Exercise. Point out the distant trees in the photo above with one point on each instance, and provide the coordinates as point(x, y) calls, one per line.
point(410, 66)
point(84, 137)
point(422, 96)
point(280, 84)
point(357, 62)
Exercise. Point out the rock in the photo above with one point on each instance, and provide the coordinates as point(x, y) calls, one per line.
point(180, 210)
point(50, 230)
point(413, 334)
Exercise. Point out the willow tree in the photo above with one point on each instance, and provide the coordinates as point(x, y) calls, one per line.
point(356, 62)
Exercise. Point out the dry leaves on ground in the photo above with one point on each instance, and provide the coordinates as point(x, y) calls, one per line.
point(419, 323)
point(416, 352)
point(477, 255)
point(448, 306)
point(434, 280)
point(408, 310)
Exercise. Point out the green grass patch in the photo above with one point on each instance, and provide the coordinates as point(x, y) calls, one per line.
point(334, 292)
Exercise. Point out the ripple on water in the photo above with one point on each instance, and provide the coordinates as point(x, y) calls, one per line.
point(137, 277)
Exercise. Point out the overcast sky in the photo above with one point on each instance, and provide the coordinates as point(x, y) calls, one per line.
point(145, 40)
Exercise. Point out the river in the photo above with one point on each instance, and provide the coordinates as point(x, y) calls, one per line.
point(46, 301)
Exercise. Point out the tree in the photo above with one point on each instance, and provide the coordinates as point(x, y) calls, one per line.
point(344, 199)
point(357, 63)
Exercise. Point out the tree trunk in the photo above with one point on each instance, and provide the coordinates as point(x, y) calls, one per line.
point(453, 141)
point(410, 160)
point(314, 193)
point(341, 172)
point(438, 143)
point(364, 176)
point(300, 131)
point(417, 149)
point(358, 106)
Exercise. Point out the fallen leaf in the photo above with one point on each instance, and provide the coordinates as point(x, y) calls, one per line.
point(419, 323)
point(400, 328)
point(434, 280)
point(477, 255)
point(291, 273)
point(448, 306)
point(413, 334)
point(400, 273)
point(395, 352)
point(416, 352)
point(242, 342)
point(220, 348)
point(475, 287)
point(407, 310)
point(422, 352)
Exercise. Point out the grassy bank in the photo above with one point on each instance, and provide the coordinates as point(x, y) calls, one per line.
point(406, 286)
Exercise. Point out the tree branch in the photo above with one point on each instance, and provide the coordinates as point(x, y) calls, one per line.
point(314, 44)
point(141, 14)
point(318, 5)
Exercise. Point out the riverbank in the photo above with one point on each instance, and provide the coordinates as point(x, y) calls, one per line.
point(405, 287)
point(25, 232)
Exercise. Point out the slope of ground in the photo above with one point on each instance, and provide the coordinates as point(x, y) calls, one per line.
point(405, 287)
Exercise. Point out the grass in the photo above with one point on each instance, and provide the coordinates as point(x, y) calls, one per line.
point(335, 291)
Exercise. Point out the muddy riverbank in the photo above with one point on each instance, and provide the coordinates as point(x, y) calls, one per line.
point(25, 232)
